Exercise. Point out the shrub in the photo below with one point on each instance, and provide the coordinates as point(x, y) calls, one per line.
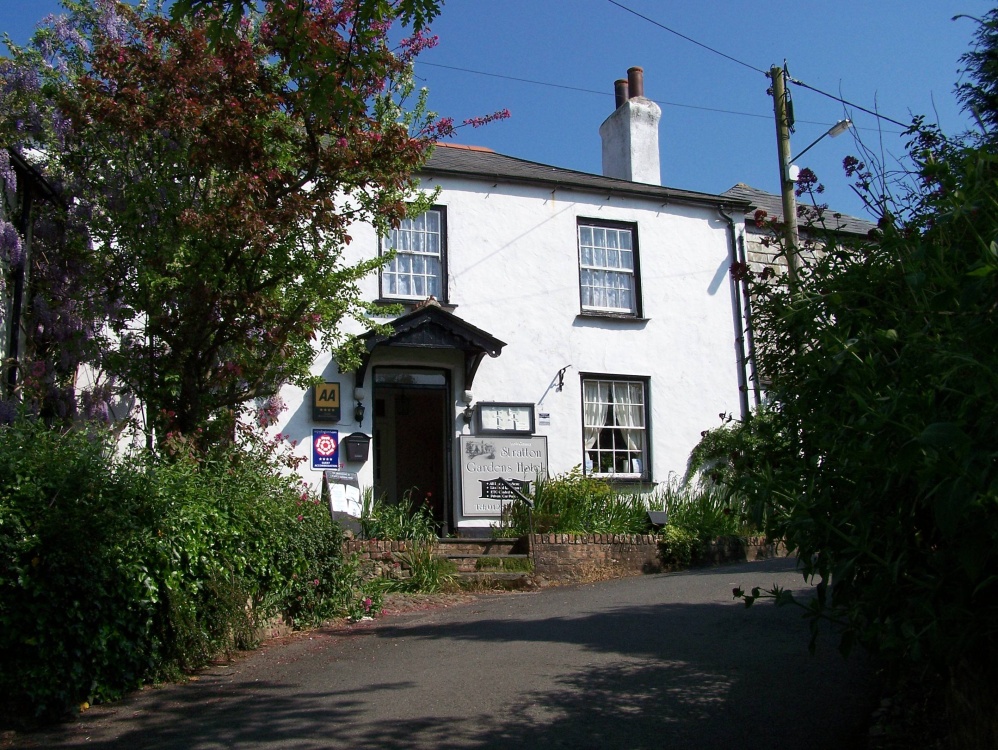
point(428, 573)
point(875, 453)
point(576, 503)
point(380, 519)
point(678, 547)
point(115, 570)
point(78, 600)
point(706, 510)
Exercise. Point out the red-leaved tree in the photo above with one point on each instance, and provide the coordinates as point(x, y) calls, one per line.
point(220, 157)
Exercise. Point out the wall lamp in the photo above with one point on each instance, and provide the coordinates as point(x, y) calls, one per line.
point(358, 409)
point(469, 413)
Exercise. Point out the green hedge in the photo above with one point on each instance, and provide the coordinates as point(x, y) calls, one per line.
point(115, 571)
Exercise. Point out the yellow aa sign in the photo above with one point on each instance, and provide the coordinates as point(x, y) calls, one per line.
point(326, 402)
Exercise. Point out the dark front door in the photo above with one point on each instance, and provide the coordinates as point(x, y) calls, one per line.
point(411, 423)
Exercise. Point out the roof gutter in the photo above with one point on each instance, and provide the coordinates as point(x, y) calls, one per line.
point(661, 194)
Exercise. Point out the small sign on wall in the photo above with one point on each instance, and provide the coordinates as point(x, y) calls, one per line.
point(326, 402)
point(325, 449)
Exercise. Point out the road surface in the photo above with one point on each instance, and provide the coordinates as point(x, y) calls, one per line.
point(657, 661)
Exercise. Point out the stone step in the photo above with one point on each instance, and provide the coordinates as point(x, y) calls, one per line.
point(501, 556)
point(495, 580)
point(470, 563)
point(489, 547)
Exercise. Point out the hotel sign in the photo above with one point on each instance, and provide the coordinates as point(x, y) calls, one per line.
point(484, 459)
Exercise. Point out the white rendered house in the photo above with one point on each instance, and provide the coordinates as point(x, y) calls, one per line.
point(553, 319)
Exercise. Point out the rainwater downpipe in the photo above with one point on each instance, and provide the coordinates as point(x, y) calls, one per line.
point(749, 330)
point(737, 313)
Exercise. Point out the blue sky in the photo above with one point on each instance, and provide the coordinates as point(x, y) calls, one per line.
point(900, 57)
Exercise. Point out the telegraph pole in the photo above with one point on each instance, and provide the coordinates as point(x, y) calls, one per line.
point(779, 91)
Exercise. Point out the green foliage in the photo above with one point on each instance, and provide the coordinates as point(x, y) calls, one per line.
point(678, 546)
point(219, 175)
point(367, 603)
point(875, 455)
point(576, 503)
point(706, 510)
point(428, 573)
point(77, 600)
point(380, 519)
point(700, 512)
point(712, 460)
point(978, 92)
point(115, 571)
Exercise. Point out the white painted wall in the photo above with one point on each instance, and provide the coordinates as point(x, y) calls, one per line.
point(513, 271)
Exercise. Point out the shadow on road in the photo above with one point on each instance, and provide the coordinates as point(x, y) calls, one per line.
point(663, 675)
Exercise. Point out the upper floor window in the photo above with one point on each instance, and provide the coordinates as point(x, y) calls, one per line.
point(608, 268)
point(418, 269)
point(615, 428)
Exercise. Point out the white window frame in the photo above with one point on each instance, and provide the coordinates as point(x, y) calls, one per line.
point(615, 427)
point(608, 267)
point(419, 268)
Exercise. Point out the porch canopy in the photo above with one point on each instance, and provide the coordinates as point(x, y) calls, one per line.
point(429, 326)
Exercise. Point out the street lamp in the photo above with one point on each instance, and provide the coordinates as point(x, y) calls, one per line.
point(833, 132)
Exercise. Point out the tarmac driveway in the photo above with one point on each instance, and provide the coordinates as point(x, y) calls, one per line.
point(658, 661)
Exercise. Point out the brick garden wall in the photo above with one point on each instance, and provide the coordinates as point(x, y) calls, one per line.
point(576, 557)
point(568, 557)
point(739, 549)
point(571, 557)
point(380, 558)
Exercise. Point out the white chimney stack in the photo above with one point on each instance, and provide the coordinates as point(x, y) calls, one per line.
point(630, 134)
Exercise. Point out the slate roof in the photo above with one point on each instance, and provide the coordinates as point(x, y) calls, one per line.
point(479, 163)
point(773, 205)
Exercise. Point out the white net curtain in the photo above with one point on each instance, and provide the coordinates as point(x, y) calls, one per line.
point(614, 427)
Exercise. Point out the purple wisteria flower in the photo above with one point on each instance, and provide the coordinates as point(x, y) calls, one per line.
point(109, 23)
point(7, 173)
point(10, 245)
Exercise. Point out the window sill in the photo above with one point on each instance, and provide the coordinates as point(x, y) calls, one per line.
point(595, 314)
point(411, 304)
point(622, 479)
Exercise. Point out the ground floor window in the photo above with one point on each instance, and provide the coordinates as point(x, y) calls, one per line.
point(615, 426)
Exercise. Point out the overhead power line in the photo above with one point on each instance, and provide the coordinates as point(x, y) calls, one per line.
point(847, 103)
point(753, 67)
point(586, 91)
point(688, 39)
point(579, 89)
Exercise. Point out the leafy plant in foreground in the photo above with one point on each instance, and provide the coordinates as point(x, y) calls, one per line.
point(380, 519)
point(118, 570)
point(576, 503)
point(875, 455)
